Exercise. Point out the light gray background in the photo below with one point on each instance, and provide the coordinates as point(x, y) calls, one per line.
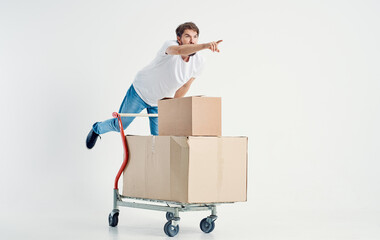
point(299, 78)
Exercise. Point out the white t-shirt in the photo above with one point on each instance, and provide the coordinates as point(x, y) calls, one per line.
point(166, 74)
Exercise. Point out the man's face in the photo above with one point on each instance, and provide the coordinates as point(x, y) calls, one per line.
point(188, 37)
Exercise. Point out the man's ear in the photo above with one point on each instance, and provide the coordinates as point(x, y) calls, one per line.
point(179, 40)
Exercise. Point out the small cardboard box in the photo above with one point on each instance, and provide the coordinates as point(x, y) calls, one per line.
point(186, 169)
point(190, 116)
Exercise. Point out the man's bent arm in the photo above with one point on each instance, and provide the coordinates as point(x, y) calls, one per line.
point(181, 92)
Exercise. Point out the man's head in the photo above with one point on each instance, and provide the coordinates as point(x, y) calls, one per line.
point(187, 33)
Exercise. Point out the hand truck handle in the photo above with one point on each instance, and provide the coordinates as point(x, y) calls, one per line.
point(115, 115)
point(124, 139)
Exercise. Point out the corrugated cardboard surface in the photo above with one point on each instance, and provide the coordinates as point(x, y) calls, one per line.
point(187, 169)
point(206, 116)
point(179, 169)
point(175, 117)
point(147, 174)
point(217, 169)
point(190, 116)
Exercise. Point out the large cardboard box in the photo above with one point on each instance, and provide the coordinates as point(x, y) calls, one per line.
point(187, 169)
point(190, 116)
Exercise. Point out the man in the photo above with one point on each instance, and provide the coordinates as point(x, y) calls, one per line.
point(171, 73)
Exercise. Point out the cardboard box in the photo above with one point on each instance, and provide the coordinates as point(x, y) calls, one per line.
point(187, 169)
point(190, 116)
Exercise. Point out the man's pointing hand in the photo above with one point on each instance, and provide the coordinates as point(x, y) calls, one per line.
point(213, 46)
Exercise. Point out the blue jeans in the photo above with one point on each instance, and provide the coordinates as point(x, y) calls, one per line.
point(132, 103)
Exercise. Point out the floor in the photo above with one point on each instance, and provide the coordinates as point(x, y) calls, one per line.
point(234, 221)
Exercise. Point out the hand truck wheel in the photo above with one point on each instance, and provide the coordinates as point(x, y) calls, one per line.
point(207, 225)
point(113, 219)
point(170, 229)
point(169, 216)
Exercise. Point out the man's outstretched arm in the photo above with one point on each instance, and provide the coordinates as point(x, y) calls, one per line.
point(188, 49)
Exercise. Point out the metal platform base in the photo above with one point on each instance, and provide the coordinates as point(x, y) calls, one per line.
point(171, 208)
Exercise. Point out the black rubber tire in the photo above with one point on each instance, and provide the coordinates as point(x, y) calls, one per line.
point(113, 220)
point(165, 230)
point(206, 226)
point(170, 230)
point(169, 216)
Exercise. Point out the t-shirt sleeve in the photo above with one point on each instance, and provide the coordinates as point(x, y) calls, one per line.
point(164, 47)
point(200, 67)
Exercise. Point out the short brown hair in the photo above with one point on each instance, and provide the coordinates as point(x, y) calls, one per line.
point(187, 25)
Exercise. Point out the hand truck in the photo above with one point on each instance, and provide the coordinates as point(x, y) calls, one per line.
point(172, 209)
